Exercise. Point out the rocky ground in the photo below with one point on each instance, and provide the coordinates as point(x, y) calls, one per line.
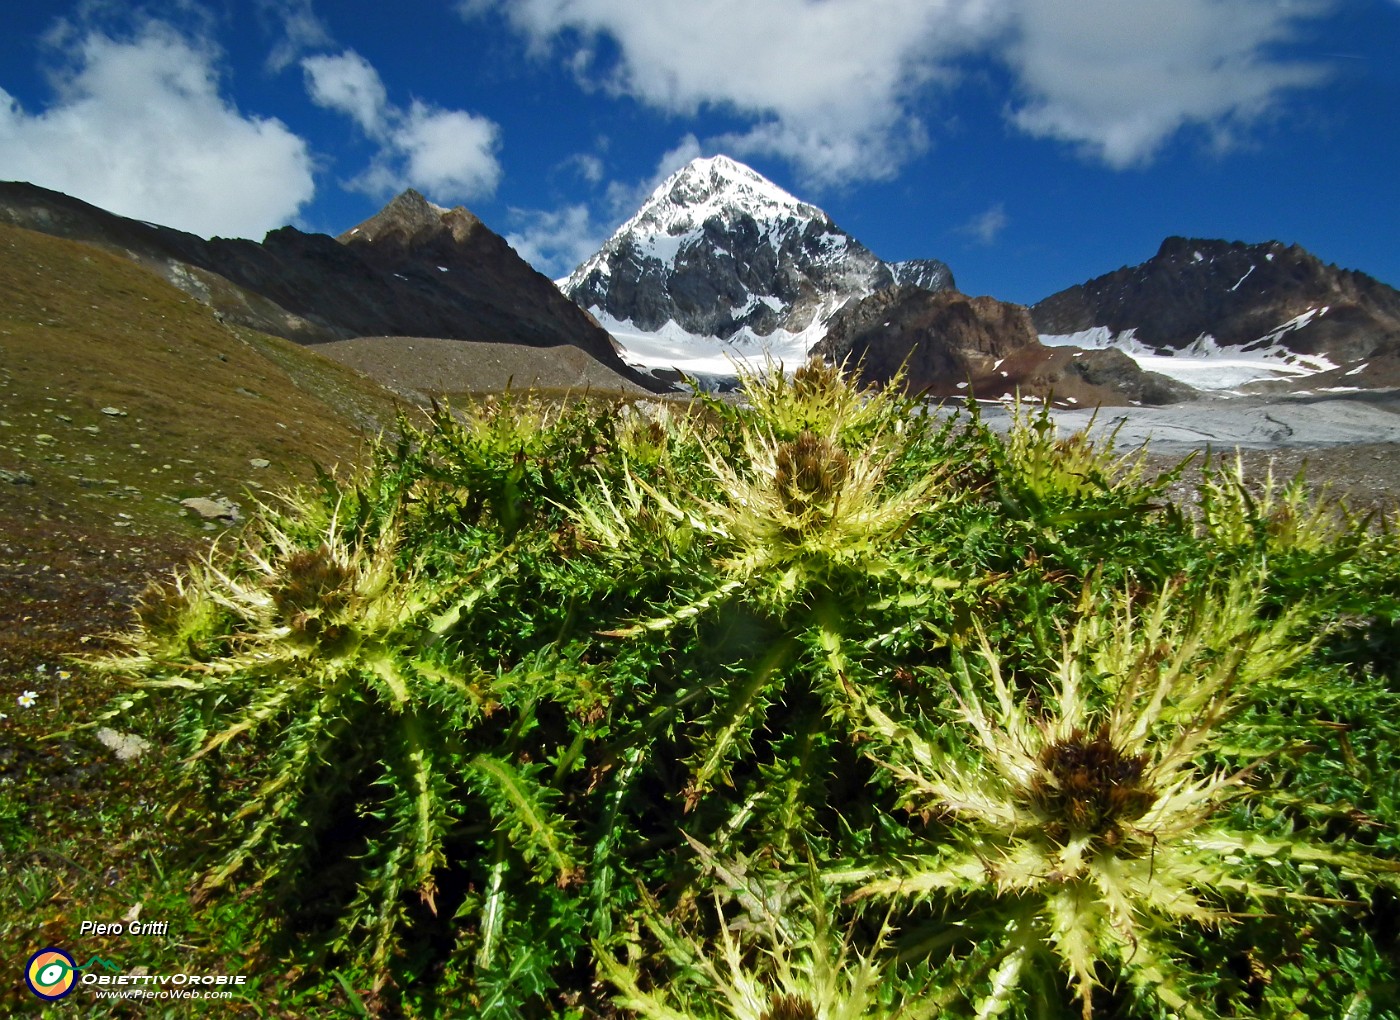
point(1364, 475)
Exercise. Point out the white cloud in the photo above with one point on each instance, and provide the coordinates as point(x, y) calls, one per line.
point(555, 242)
point(448, 154)
point(831, 85)
point(448, 151)
point(986, 227)
point(590, 167)
point(348, 84)
point(841, 88)
point(139, 127)
point(300, 30)
point(1119, 79)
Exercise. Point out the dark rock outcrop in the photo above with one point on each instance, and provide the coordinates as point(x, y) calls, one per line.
point(941, 339)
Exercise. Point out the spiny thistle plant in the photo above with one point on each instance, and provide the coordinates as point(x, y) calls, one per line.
point(1047, 466)
point(1083, 813)
point(330, 660)
point(177, 620)
point(799, 531)
point(798, 511)
point(1279, 518)
point(452, 721)
point(799, 504)
point(784, 956)
point(501, 454)
point(1216, 630)
point(818, 398)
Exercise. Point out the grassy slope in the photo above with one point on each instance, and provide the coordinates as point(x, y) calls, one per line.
point(80, 330)
point(423, 368)
point(89, 504)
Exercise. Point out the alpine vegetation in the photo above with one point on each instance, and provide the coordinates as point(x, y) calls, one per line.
point(809, 706)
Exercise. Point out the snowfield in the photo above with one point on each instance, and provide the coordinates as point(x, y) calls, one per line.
point(708, 358)
point(1210, 368)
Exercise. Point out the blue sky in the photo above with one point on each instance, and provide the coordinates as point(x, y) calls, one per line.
point(1031, 144)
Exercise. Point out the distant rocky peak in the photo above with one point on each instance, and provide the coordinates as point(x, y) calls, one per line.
point(411, 215)
point(930, 274)
point(1199, 294)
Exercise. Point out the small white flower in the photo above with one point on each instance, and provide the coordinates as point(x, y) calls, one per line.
point(27, 699)
point(3, 716)
point(63, 674)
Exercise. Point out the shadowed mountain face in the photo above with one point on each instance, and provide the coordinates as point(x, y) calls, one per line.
point(1239, 295)
point(412, 270)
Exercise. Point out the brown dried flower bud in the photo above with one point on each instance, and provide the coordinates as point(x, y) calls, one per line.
point(810, 472)
point(789, 1007)
point(312, 579)
point(1088, 786)
point(815, 380)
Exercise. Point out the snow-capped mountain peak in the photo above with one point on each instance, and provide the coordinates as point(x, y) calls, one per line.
point(715, 187)
point(719, 258)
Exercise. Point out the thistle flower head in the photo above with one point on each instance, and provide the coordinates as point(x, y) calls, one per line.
point(303, 594)
point(1085, 786)
point(802, 510)
point(809, 473)
point(176, 617)
point(339, 592)
point(820, 398)
point(314, 588)
point(789, 1007)
point(647, 431)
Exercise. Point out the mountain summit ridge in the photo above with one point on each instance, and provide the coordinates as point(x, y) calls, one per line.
point(413, 269)
point(709, 187)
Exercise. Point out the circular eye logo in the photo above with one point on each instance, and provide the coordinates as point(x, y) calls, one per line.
point(51, 974)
